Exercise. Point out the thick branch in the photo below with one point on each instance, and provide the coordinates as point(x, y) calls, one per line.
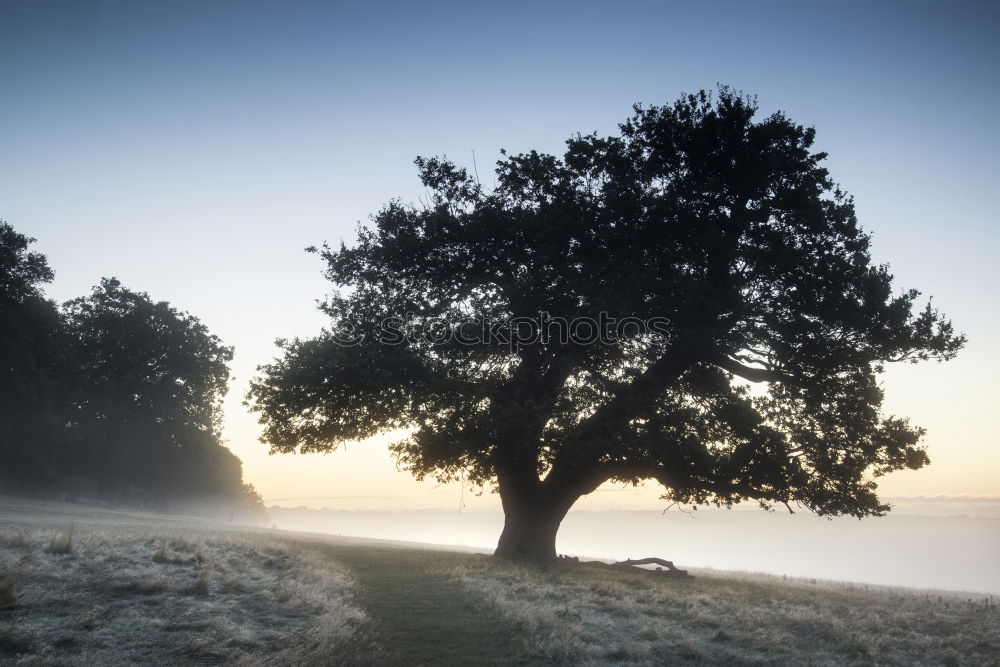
point(749, 372)
point(638, 398)
point(580, 481)
point(519, 412)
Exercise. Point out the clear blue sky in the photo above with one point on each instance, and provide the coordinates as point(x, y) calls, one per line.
point(193, 149)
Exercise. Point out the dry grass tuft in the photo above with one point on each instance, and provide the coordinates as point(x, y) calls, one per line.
point(18, 539)
point(179, 552)
point(202, 585)
point(8, 592)
point(15, 641)
point(62, 542)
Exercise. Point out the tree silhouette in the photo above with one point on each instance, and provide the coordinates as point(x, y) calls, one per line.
point(31, 406)
point(149, 382)
point(114, 387)
point(756, 325)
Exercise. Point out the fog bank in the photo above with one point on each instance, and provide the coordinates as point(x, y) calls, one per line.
point(951, 553)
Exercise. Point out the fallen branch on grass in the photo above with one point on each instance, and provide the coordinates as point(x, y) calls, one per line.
point(670, 571)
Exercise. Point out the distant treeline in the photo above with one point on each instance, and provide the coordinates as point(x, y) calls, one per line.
point(111, 395)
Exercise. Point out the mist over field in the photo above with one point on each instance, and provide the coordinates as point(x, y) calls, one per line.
point(956, 552)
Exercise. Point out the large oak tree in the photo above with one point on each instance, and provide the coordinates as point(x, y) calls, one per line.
point(762, 386)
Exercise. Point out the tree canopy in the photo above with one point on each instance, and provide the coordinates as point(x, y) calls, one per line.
point(758, 381)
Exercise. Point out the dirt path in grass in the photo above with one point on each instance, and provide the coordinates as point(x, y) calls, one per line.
point(421, 616)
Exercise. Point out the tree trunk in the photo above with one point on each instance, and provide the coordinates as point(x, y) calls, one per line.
point(528, 536)
point(531, 521)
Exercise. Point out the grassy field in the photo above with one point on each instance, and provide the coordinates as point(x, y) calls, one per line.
point(79, 587)
point(129, 595)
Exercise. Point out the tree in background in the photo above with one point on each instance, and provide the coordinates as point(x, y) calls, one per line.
point(762, 386)
point(113, 387)
point(31, 405)
point(149, 387)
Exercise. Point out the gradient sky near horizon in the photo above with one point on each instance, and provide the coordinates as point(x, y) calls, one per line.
point(193, 149)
